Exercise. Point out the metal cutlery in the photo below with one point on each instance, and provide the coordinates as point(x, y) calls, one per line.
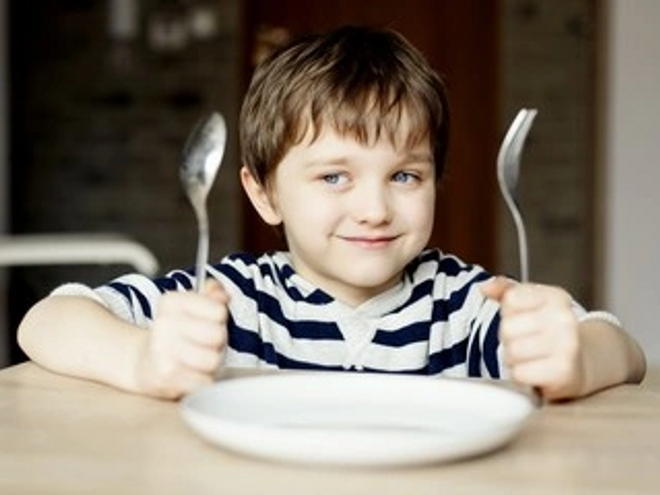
point(202, 156)
point(508, 171)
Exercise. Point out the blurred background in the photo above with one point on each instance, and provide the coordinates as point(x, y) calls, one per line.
point(97, 98)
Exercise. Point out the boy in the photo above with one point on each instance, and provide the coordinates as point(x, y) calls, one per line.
point(344, 138)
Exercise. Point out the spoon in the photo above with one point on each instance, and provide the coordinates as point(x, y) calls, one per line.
point(508, 167)
point(202, 156)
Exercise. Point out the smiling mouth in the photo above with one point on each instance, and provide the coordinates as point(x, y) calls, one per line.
point(370, 242)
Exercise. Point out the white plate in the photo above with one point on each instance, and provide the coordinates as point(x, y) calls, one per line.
point(356, 419)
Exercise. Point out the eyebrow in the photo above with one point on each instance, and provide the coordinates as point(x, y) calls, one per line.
point(418, 157)
point(414, 157)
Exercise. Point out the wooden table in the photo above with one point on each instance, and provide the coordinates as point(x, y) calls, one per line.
point(61, 435)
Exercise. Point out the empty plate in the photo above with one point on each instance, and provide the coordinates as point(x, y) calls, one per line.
point(356, 419)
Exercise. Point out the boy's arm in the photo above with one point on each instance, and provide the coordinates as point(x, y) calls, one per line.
point(181, 351)
point(545, 346)
point(609, 356)
point(79, 337)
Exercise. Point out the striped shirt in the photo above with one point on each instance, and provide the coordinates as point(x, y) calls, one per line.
point(435, 321)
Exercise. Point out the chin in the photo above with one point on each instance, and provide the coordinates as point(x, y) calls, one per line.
point(373, 285)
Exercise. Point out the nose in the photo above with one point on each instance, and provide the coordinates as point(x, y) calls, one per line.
point(372, 205)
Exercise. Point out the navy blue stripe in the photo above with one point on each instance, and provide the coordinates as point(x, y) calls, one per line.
point(271, 307)
point(127, 291)
point(248, 342)
point(474, 359)
point(165, 284)
point(442, 308)
point(291, 364)
point(246, 285)
point(420, 291)
point(424, 370)
point(245, 341)
point(416, 332)
point(298, 329)
point(430, 255)
point(451, 267)
point(423, 288)
point(243, 257)
point(448, 358)
point(447, 265)
point(174, 281)
point(184, 279)
point(317, 296)
point(491, 344)
point(314, 330)
point(279, 275)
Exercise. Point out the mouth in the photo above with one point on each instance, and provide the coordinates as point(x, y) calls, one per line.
point(370, 242)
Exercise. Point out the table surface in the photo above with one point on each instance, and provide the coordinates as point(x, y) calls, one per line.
point(62, 435)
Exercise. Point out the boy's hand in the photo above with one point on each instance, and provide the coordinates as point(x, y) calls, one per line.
point(186, 342)
point(539, 335)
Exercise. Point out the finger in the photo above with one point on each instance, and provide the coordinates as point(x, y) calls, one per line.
point(199, 358)
point(534, 373)
point(204, 333)
point(554, 379)
point(215, 290)
point(207, 309)
point(167, 376)
point(194, 305)
point(518, 325)
point(523, 298)
point(495, 287)
point(185, 382)
point(550, 323)
point(525, 349)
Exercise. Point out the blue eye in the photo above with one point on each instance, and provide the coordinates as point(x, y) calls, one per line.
point(332, 179)
point(404, 177)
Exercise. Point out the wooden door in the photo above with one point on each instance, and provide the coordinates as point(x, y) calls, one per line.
point(460, 39)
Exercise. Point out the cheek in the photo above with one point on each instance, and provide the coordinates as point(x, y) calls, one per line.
point(421, 212)
point(322, 213)
point(425, 221)
point(305, 209)
point(420, 218)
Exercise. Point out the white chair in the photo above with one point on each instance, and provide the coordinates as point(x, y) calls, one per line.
point(76, 249)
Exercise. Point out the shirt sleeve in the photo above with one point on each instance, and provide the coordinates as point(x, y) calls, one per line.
point(133, 298)
point(116, 305)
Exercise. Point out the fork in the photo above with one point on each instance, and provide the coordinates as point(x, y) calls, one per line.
point(508, 168)
point(508, 171)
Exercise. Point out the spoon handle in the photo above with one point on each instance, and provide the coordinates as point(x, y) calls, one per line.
point(202, 249)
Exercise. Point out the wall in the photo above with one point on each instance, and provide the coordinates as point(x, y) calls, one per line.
point(547, 46)
point(631, 152)
point(546, 63)
point(98, 129)
point(4, 159)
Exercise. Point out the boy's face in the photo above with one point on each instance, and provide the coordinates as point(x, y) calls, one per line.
point(354, 215)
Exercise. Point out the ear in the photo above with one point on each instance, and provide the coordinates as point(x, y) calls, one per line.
point(260, 198)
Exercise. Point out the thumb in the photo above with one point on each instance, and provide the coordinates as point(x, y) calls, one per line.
point(496, 287)
point(213, 288)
